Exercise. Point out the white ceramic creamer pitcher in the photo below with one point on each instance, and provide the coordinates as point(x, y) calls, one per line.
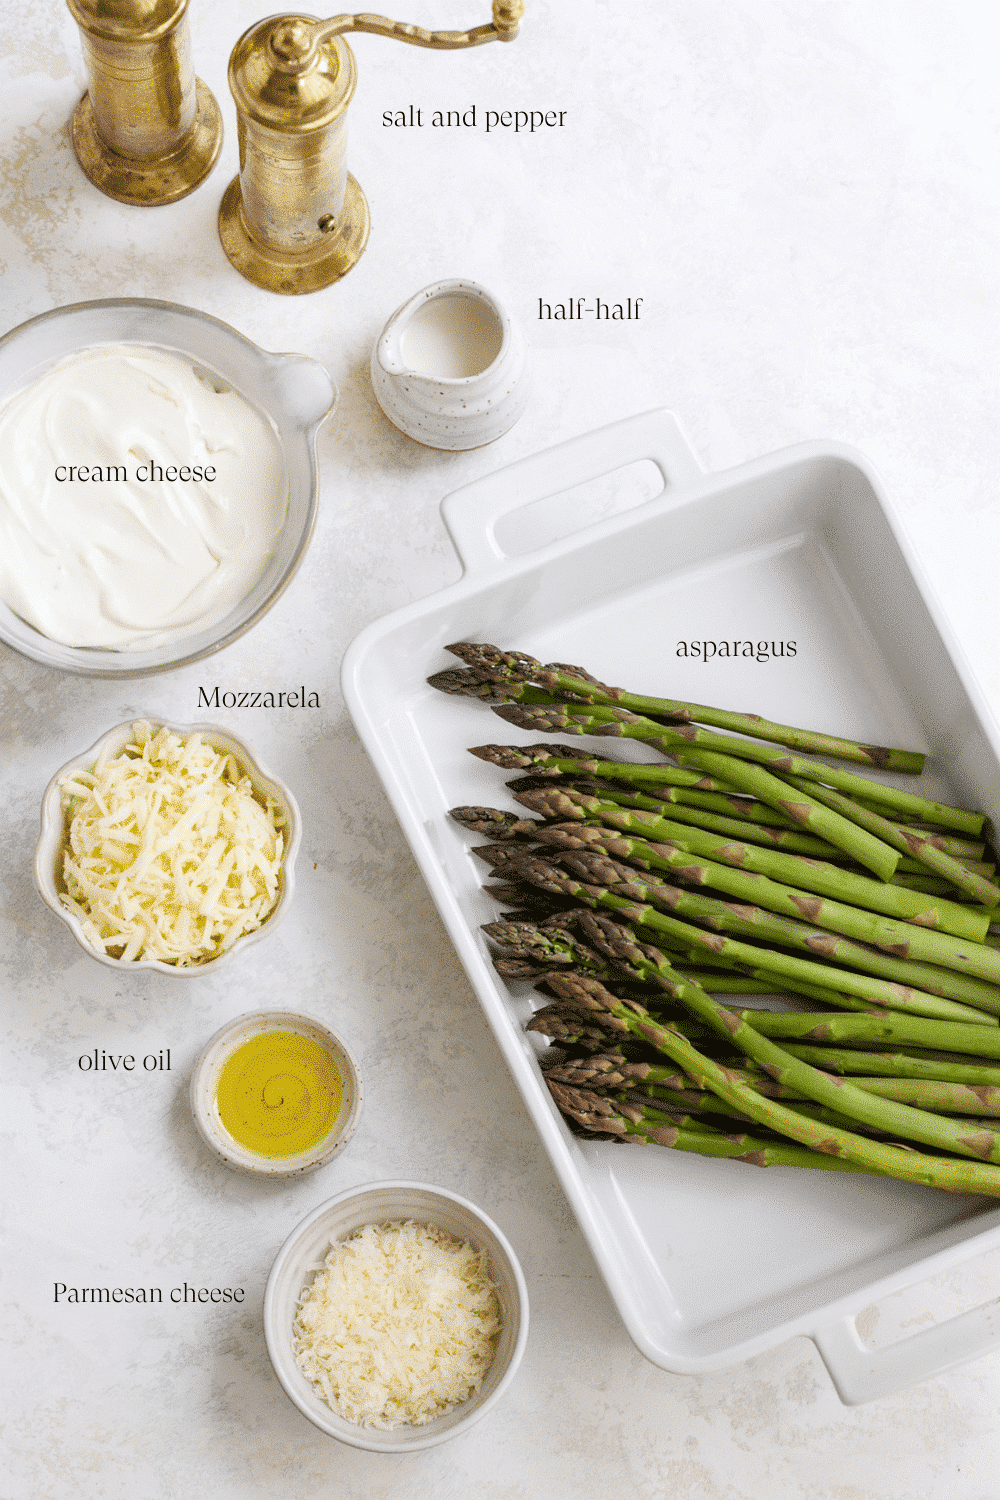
point(449, 367)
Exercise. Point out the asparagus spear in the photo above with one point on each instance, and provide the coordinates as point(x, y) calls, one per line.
point(777, 834)
point(736, 984)
point(894, 1029)
point(612, 1070)
point(569, 760)
point(902, 939)
point(493, 823)
point(688, 744)
point(687, 1107)
point(645, 786)
point(908, 841)
point(525, 941)
point(862, 985)
point(603, 934)
point(568, 1029)
point(974, 1174)
point(935, 1094)
point(806, 810)
point(610, 939)
point(631, 1123)
point(932, 885)
point(722, 804)
point(757, 924)
point(844, 1097)
point(779, 829)
point(805, 874)
point(507, 667)
point(949, 1067)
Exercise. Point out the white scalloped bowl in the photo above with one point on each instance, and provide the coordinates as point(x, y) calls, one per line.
point(48, 851)
point(302, 1255)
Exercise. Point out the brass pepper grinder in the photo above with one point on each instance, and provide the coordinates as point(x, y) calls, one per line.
point(295, 220)
point(146, 131)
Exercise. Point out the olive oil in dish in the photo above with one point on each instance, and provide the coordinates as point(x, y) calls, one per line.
point(279, 1094)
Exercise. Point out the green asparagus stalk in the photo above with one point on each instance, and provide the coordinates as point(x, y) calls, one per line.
point(963, 849)
point(891, 1029)
point(756, 924)
point(933, 1094)
point(568, 1028)
point(708, 793)
point(687, 746)
point(723, 804)
point(709, 1118)
point(905, 840)
point(608, 939)
point(734, 984)
point(527, 942)
point(775, 835)
point(603, 936)
point(612, 1069)
point(805, 809)
point(947, 1067)
point(805, 874)
point(836, 1094)
point(791, 986)
point(865, 986)
point(631, 1123)
point(568, 760)
point(903, 940)
point(974, 1174)
point(688, 1108)
point(565, 761)
point(493, 823)
point(612, 1072)
point(508, 668)
point(986, 867)
point(932, 885)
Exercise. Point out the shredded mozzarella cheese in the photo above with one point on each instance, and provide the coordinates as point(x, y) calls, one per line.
point(168, 853)
point(398, 1326)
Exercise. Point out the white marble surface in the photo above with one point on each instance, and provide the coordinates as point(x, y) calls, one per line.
point(807, 199)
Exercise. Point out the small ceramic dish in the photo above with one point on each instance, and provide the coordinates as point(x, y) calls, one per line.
point(51, 840)
point(380, 1203)
point(293, 392)
point(447, 327)
point(205, 1088)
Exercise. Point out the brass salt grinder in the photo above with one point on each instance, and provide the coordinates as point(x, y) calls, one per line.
point(295, 220)
point(146, 131)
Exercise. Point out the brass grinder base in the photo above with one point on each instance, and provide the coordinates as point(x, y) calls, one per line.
point(295, 271)
point(149, 183)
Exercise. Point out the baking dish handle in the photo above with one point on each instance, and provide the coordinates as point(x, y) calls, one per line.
point(471, 514)
point(861, 1374)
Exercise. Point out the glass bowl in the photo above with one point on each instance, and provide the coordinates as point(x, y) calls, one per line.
point(294, 392)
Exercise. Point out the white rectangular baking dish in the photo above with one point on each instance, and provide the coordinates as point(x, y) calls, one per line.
point(709, 1262)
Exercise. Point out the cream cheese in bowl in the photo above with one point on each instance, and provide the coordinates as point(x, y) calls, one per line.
point(140, 498)
point(158, 484)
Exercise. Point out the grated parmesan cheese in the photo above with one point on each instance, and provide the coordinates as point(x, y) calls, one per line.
point(398, 1326)
point(168, 854)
